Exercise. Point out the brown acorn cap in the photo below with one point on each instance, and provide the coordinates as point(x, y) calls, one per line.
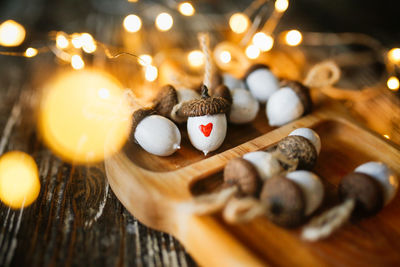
point(244, 175)
point(302, 91)
point(222, 91)
point(139, 115)
point(284, 201)
point(297, 147)
point(365, 190)
point(253, 68)
point(165, 100)
point(206, 105)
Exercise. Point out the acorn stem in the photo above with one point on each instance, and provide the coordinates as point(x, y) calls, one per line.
point(204, 92)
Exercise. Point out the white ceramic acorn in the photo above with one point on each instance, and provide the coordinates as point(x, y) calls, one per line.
point(289, 103)
point(206, 122)
point(261, 82)
point(265, 163)
point(154, 133)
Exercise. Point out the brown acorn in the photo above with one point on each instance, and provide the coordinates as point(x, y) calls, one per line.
point(241, 173)
point(222, 91)
point(165, 100)
point(300, 149)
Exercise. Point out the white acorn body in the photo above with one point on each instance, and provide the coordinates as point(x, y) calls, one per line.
point(185, 94)
point(262, 84)
point(384, 176)
point(231, 82)
point(265, 164)
point(158, 135)
point(312, 189)
point(207, 133)
point(244, 106)
point(309, 134)
point(283, 106)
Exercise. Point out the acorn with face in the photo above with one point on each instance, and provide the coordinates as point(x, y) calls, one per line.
point(261, 82)
point(206, 124)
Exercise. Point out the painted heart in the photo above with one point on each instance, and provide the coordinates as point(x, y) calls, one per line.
point(206, 129)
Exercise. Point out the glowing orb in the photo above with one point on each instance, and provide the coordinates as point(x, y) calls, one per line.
point(132, 23)
point(84, 116)
point(293, 37)
point(11, 33)
point(19, 179)
point(164, 22)
point(239, 22)
point(186, 9)
point(195, 58)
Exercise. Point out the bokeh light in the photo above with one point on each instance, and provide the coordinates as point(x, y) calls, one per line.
point(76, 40)
point(262, 41)
point(225, 57)
point(186, 9)
point(239, 22)
point(252, 52)
point(11, 33)
point(151, 73)
point(132, 23)
point(281, 5)
point(88, 43)
point(164, 22)
point(394, 55)
point(31, 52)
point(293, 37)
point(61, 41)
point(77, 62)
point(145, 60)
point(195, 58)
point(19, 179)
point(84, 116)
point(393, 83)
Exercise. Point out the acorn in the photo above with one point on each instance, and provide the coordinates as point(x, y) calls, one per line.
point(169, 100)
point(206, 122)
point(289, 103)
point(241, 173)
point(265, 163)
point(261, 82)
point(309, 134)
point(298, 149)
point(290, 199)
point(154, 133)
point(231, 82)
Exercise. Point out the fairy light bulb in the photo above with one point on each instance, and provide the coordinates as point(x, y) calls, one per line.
point(145, 60)
point(76, 40)
point(394, 55)
point(263, 42)
point(186, 9)
point(88, 43)
point(132, 23)
point(195, 58)
point(61, 41)
point(252, 52)
point(151, 73)
point(31, 52)
point(293, 38)
point(77, 62)
point(239, 23)
point(225, 57)
point(393, 83)
point(11, 33)
point(164, 22)
point(281, 5)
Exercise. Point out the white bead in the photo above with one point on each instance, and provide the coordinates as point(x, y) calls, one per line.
point(217, 134)
point(262, 84)
point(244, 106)
point(231, 82)
point(283, 106)
point(385, 176)
point(309, 134)
point(312, 189)
point(265, 164)
point(158, 135)
point(185, 94)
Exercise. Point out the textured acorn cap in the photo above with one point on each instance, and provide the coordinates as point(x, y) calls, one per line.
point(302, 91)
point(296, 147)
point(253, 68)
point(139, 115)
point(222, 91)
point(244, 175)
point(165, 100)
point(365, 190)
point(284, 201)
point(206, 105)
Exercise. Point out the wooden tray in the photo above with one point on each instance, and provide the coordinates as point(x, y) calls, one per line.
point(154, 189)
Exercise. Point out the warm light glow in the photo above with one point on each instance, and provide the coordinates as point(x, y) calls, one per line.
point(394, 55)
point(151, 73)
point(293, 37)
point(186, 9)
point(239, 22)
point(61, 41)
point(252, 52)
point(386, 136)
point(11, 33)
point(132, 23)
point(77, 62)
point(145, 60)
point(19, 179)
point(88, 43)
point(262, 41)
point(195, 58)
point(164, 22)
point(281, 5)
point(31, 52)
point(84, 116)
point(225, 57)
point(393, 83)
point(76, 40)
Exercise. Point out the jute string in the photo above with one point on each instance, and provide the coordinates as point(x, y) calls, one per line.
point(204, 40)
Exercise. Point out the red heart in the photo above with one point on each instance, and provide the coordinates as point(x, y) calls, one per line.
point(206, 129)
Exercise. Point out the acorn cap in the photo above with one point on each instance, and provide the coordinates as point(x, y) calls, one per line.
point(295, 147)
point(302, 91)
point(206, 105)
point(253, 68)
point(139, 115)
point(222, 91)
point(284, 201)
point(165, 100)
point(365, 190)
point(244, 175)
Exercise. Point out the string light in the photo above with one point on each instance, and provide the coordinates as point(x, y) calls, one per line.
point(151, 73)
point(252, 52)
point(132, 23)
point(31, 52)
point(281, 5)
point(393, 83)
point(76, 40)
point(293, 38)
point(195, 58)
point(386, 136)
point(262, 41)
point(186, 9)
point(239, 23)
point(88, 43)
point(61, 41)
point(394, 55)
point(77, 62)
point(225, 57)
point(11, 33)
point(145, 60)
point(164, 22)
